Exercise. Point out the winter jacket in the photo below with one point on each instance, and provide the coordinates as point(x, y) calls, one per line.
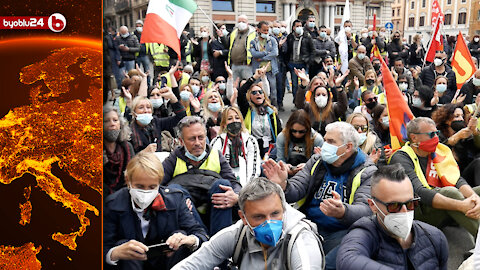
point(218, 63)
point(470, 91)
point(369, 246)
point(306, 184)
point(473, 47)
point(320, 50)
point(122, 224)
point(400, 49)
point(358, 68)
point(428, 75)
point(305, 253)
point(132, 43)
point(270, 54)
point(306, 48)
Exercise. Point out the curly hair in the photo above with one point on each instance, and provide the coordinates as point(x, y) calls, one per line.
point(125, 130)
point(444, 114)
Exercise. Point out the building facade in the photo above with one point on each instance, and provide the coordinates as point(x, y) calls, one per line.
point(398, 13)
point(418, 17)
point(475, 18)
point(326, 12)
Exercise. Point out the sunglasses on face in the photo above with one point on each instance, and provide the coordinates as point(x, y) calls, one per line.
point(431, 134)
point(257, 92)
point(395, 207)
point(363, 128)
point(396, 36)
point(370, 100)
point(298, 131)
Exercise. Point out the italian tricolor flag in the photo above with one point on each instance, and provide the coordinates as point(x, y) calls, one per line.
point(165, 22)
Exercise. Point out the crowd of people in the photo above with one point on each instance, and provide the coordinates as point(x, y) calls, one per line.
point(200, 172)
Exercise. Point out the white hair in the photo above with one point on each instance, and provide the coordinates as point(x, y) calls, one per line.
point(347, 131)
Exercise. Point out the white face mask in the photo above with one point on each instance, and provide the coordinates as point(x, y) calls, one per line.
point(139, 29)
point(416, 102)
point(299, 31)
point(204, 34)
point(242, 26)
point(476, 39)
point(437, 62)
point(364, 35)
point(142, 198)
point(195, 89)
point(321, 101)
point(476, 81)
point(385, 121)
point(125, 35)
point(156, 103)
point(283, 29)
point(348, 29)
point(403, 86)
point(399, 224)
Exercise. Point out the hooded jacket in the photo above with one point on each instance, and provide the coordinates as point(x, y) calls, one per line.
point(305, 254)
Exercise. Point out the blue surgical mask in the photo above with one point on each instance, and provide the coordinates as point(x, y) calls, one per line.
point(225, 32)
point(185, 95)
point(299, 31)
point(269, 232)
point(311, 24)
point(144, 118)
point(360, 56)
point(214, 107)
point(417, 102)
point(323, 34)
point(194, 158)
point(441, 88)
point(329, 152)
point(156, 102)
point(222, 86)
point(264, 36)
point(205, 79)
point(276, 30)
point(363, 137)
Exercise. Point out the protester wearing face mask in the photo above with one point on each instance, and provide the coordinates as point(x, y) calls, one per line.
point(381, 123)
point(204, 173)
point(147, 128)
point(396, 49)
point(402, 83)
point(369, 101)
point(117, 151)
point(391, 238)
point(159, 105)
point(422, 100)
point(440, 88)
point(128, 46)
point(439, 68)
point(239, 148)
point(323, 47)
point(260, 236)
point(359, 65)
point(145, 213)
point(399, 69)
point(471, 88)
point(239, 56)
point(474, 46)
point(212, 107)
point(372, 83)
point(280, 78)
point(221, 86)
point(261, 118)
point(219, 47)
point(417, 51)
point(298, 51)
point(373, 39)
point(342, 200)
point(202, 50)
point(443, 192)
point(321, 108)
point(189, 101)
point(297, 142)
point(369, 142)
point(142, 57)
point(195, 85)
point(206, 83)
point(377, 66)
point(455, 133)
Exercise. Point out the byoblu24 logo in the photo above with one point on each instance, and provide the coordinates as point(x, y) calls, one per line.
point(57, 22)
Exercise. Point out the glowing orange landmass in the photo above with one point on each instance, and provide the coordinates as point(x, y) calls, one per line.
point(26, 208)
point(24, 257)
point(35, 136)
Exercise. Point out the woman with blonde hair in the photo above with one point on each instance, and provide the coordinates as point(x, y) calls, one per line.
point(261, 118)
point(212, 104)
point(238, 146)
point(371, 83)
point(369, 142)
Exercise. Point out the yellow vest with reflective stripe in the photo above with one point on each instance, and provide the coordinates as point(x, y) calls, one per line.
point(418, 169)
point(212, 163)
point(375, 90)
point(160, 57)
point(183, 80)
point(188, 47)
point(250, 37)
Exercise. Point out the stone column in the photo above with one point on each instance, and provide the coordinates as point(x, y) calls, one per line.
point(293, 9)
point(326, 15)
point(332, 18)
point(286, 11)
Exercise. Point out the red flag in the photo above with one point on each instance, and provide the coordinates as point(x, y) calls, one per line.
point(462, 63)
point(374, 21)
point(436, 44)
point(437, 15)
point(398, 110)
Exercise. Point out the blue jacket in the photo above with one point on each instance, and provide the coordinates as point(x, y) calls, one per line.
point(368, 246)
point(270, 53)
point(121, 224)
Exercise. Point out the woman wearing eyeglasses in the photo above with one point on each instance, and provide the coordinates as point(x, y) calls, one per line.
point(369, 142)
point(459, 136)
point(239, 148)
point(297, 142)
point(261, 118)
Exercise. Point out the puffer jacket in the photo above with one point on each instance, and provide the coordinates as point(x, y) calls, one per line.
point(368, 246)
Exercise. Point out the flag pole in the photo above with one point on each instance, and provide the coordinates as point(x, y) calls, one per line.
point(214, 25)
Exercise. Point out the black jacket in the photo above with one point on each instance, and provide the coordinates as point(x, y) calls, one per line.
point(428, 78)
point(305, 49)
point(470, 90)
point(131, 42)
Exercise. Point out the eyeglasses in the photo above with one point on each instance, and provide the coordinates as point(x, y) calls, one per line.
point(298, 131)
point(370, 100)
point(431, 134)
point(396, 36)
point(395, 207)
point(257, 92)
point(363, 128)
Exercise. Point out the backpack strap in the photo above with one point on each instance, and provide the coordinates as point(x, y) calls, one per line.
point(240, 247)
point(292, 237)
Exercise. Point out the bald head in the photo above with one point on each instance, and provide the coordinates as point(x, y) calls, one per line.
point(242, 18)
point(361, 49)
point(123, 30)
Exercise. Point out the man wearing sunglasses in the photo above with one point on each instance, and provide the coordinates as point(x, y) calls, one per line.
point(386, 239)
point(435, 176)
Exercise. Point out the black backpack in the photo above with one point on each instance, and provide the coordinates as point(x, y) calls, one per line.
point(290, 238)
